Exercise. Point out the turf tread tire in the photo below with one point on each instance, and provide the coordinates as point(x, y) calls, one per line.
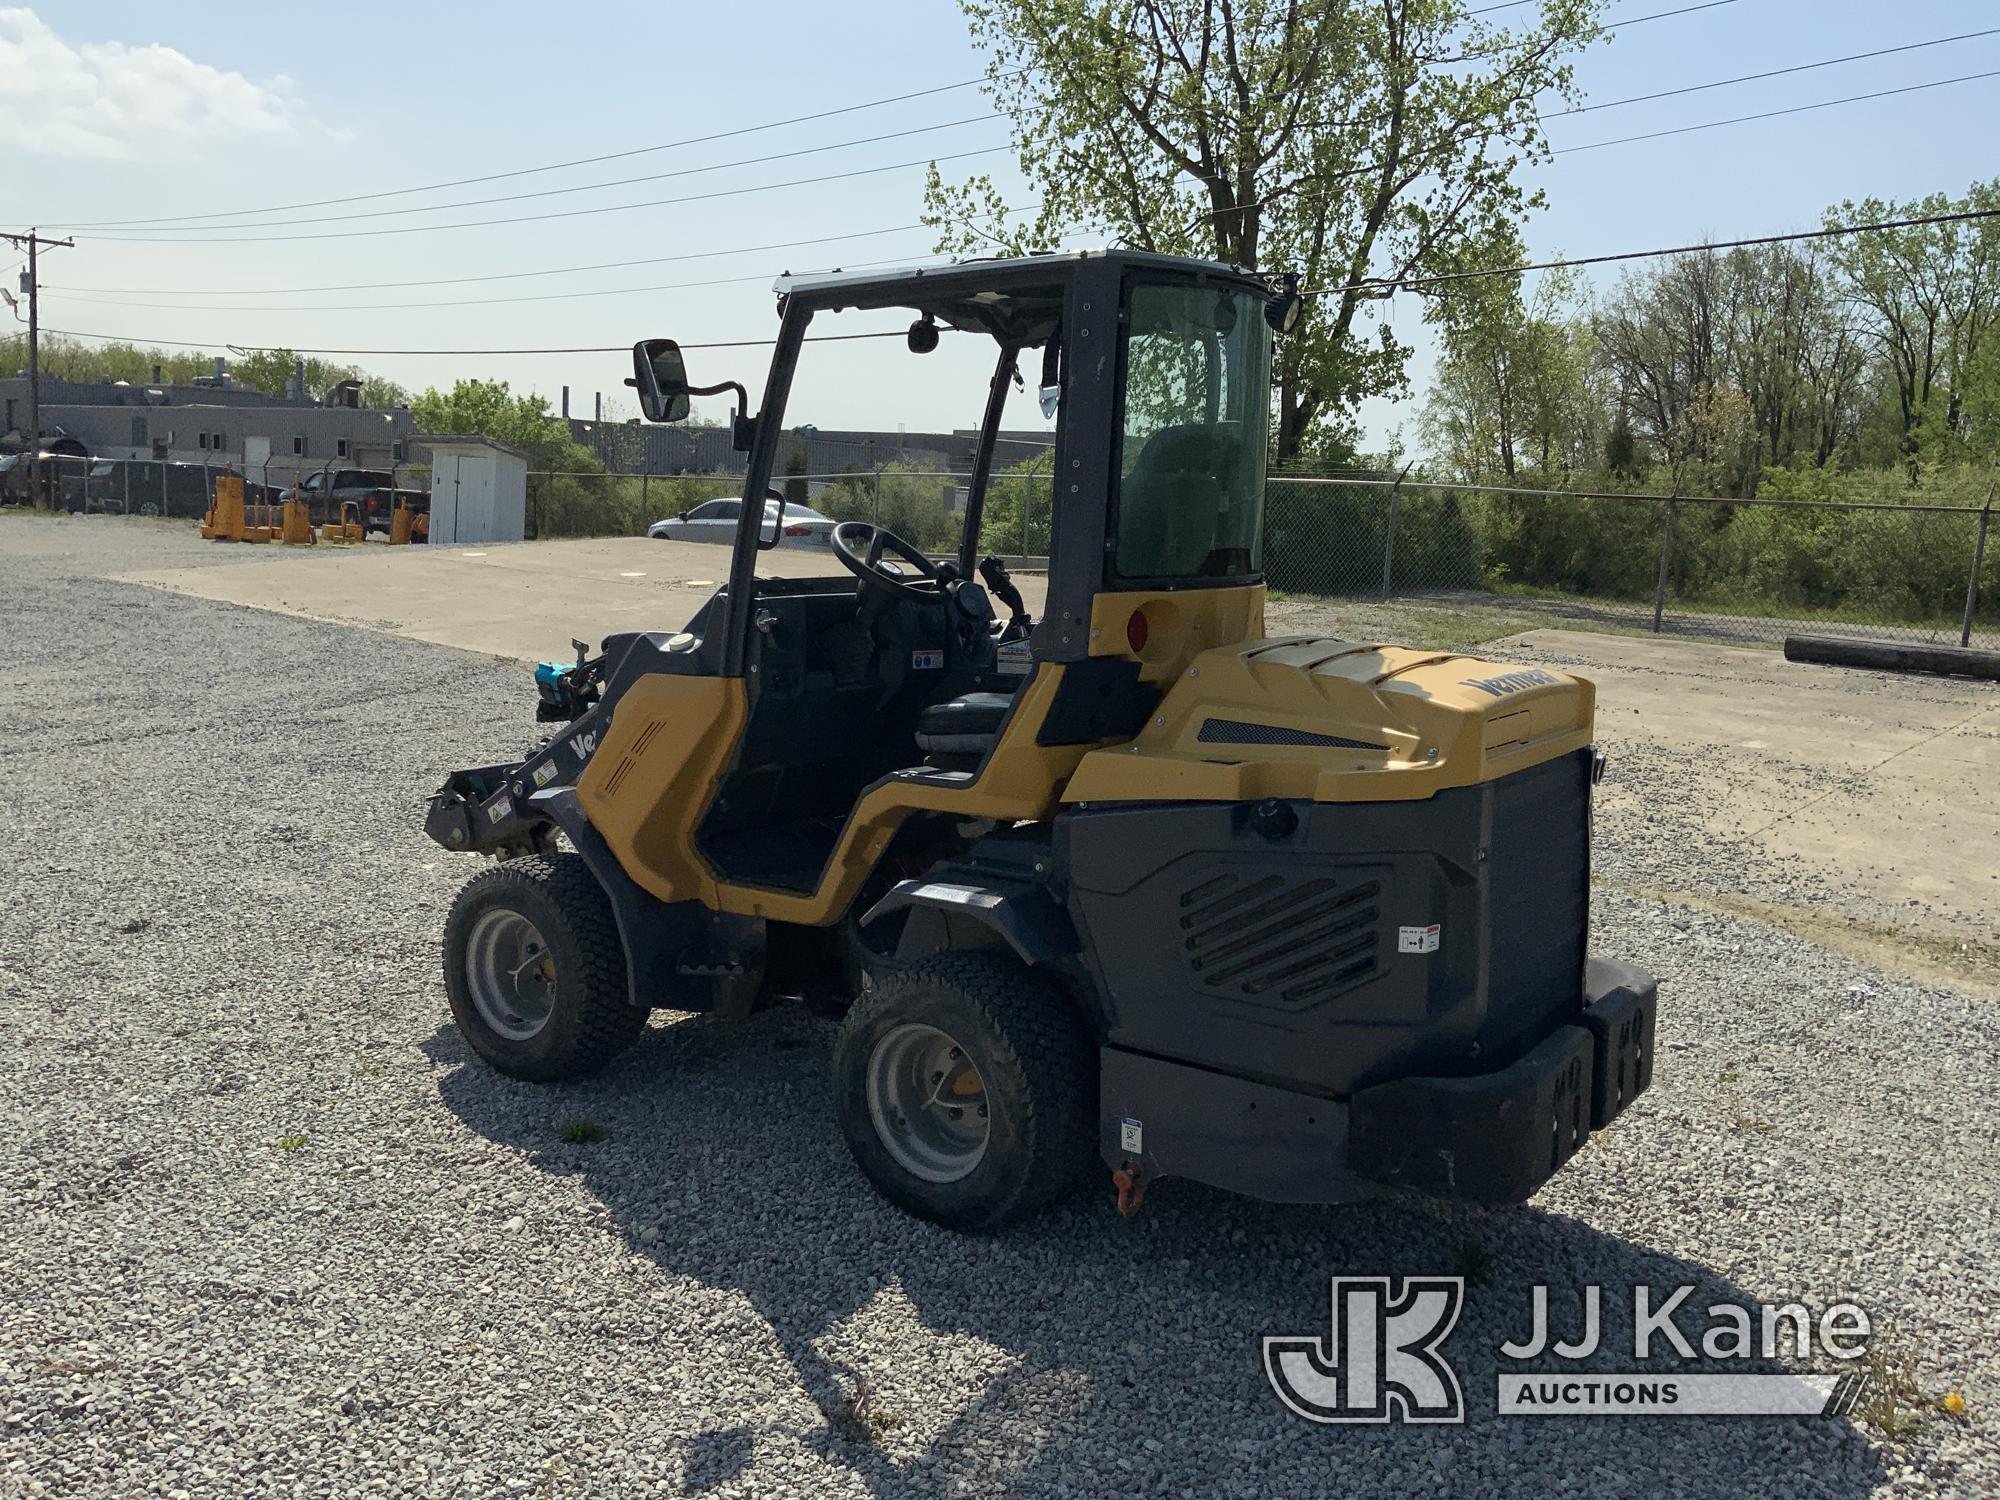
point(1039, 1062)
point(594, 1019)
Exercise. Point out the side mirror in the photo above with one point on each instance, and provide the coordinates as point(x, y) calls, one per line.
point(771, 530)
point(659, 375)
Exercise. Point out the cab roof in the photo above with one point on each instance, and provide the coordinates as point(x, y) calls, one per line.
point(1016, 298)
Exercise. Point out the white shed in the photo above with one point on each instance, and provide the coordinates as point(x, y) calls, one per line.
point(479, 488)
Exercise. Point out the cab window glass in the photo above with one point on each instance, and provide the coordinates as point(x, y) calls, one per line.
point(1191, 462)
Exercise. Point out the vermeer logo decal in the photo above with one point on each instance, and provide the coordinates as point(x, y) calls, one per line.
point(1511, 682)
point(1380, 1362)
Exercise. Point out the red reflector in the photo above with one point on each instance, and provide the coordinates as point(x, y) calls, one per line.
point(1135, 630)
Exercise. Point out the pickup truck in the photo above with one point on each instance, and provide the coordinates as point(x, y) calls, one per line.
point(374, 491)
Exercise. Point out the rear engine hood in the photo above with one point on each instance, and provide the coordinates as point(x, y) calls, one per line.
point(1306, 717)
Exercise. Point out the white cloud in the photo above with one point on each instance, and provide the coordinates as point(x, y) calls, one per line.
point(108, 101)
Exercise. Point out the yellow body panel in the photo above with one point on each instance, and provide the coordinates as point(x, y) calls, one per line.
point(649, 783)
point(1021, 780)
point(1433, 719)
point(648, 786)
point(1179, 626)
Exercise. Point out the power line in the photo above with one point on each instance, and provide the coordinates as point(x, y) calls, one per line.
point(1384, 286)
point(1487, 10)
point(623, 291)
point(1696, 88)
point(827, 239)
point(573, 213)
point(1772, 114)
point(119, 338)
point(587, 187)
point(608, 265)
point(1380, 286)
point(581, 161)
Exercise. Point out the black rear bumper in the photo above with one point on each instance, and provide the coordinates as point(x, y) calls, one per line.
point(1496, 1137)
point(1490, 1137)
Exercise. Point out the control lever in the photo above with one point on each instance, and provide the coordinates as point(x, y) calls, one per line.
point(1000, 584)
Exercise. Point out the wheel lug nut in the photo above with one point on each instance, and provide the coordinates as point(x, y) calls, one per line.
point(957, 1113)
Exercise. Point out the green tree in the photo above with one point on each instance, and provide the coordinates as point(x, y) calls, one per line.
point(1015, 521)
point(914, 505)
point(1513, 385)
point(1930, 298)
point(795, 482)
point(491, 409)
point(1351, 141)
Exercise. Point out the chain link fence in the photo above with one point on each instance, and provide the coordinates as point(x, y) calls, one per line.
point(1733, 571)
point(926, 506)
point(164, 487)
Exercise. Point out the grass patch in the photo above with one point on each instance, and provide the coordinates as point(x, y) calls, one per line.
point(1895, 1402)
point(290, 1143)
point(582, 1132)
point(859, 1417)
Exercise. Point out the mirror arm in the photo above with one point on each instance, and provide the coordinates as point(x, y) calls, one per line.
point(742, 429)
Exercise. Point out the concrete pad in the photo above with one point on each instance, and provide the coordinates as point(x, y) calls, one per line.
point(527, 600)
point(1880, 785)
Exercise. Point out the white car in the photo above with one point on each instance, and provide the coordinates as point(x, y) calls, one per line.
point(715, 521)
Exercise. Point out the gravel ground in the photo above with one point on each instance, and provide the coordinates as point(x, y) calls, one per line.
point(268, 1228)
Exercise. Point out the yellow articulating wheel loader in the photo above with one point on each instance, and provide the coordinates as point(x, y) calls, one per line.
point(1135, 887)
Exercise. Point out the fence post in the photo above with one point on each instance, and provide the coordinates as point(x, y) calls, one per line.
point(1666, 559)
point(645, 500)
point(125, 470)
point(1389, 532)
point(1978, 561)
point(163, 489)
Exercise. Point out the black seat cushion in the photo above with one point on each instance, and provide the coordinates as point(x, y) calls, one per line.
point(962, 726)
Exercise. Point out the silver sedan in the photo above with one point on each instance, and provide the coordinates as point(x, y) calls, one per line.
point(715, 521)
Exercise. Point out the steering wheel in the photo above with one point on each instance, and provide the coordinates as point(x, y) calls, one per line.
point(860, 545)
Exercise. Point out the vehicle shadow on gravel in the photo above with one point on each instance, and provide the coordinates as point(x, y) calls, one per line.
point(1087, 1353)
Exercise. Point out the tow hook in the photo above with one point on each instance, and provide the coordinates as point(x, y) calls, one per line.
point(1131, 1188)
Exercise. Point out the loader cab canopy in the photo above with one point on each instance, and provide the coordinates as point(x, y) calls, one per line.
point(1156, 369)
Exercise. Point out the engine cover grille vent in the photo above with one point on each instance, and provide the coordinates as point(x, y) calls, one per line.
point(1280, 941)
point(1242, 732)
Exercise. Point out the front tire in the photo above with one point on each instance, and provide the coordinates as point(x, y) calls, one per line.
point(535, 972)
point(966, 1086)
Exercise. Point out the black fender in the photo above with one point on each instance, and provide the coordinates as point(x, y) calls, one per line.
point(972, 912)
point(658, 936)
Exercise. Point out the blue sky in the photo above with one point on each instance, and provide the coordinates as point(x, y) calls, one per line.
point(123, 111)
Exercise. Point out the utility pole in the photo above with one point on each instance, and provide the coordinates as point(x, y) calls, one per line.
point(34, 241)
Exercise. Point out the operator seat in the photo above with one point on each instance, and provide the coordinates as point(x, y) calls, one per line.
point(962, 727)
point(1167, 504)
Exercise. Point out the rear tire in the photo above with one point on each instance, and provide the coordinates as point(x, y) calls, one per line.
point(966, 1086)
point(535, 971)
